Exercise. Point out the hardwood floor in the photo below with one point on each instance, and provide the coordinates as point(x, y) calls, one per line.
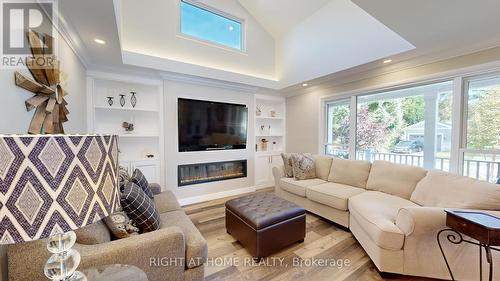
point(228, 260)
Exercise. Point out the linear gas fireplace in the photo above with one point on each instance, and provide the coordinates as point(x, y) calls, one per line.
point(208, 172)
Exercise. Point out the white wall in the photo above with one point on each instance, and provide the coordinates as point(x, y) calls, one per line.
point(303, 117)
point(15, 119)
point(160, 18)
point(175, 90)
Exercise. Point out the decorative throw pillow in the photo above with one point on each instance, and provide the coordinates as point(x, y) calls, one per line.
point(140, 208)
point(140, 180)
point(303, 166)
point(288, 164)
point(121, 225)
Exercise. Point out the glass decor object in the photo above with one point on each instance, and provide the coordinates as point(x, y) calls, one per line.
point(110, 101)
point(202, 22)
point(133, 99)
point(122, 100)
point(73, 191)
point(64, 261)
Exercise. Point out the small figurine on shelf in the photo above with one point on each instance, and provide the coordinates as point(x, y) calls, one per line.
point(264, 144)
point(258, 111)
point(133, 99)
point(129, 127)
point(122, 100)
point(110, 101)
point(273, 112)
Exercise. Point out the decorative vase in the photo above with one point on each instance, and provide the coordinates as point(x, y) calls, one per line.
point(122, 100)
point(110, 101)
point(133, 99)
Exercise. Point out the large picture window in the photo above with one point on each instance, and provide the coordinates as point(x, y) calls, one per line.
point(452, 126)
point(481, 155)
point(408, 126)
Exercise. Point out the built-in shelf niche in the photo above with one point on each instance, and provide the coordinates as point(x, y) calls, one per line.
point(271, 127)
point(144, 145)
point(269, 124)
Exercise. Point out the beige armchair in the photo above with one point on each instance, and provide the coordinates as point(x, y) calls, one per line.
point(177, 251)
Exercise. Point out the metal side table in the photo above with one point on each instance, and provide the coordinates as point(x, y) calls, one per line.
point(484, 228)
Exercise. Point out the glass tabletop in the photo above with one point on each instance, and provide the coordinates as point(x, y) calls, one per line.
point(484, 219)
point(114, 272)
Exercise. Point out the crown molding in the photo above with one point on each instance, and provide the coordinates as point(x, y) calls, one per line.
point(124, 77)
point(489, 68)
point(201, 81)
point(359, 73)
point(117, 6)
point(154, 77)
point(72, 38)
point(68, 33)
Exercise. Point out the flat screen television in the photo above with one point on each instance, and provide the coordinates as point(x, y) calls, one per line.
point(207, 125)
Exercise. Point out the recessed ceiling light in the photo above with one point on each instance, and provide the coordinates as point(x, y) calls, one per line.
point(231, 28)
point(305, 85)
point(388, 61)
point(99, 41)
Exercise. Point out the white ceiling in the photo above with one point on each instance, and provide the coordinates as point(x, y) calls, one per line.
point(441, 25)
point(339, 36)
point(279, 16)
point(92, 19)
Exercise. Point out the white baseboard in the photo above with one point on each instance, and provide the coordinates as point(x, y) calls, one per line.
point(213, 196)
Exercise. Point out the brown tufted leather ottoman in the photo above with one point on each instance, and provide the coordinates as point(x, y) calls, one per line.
point(265, 223)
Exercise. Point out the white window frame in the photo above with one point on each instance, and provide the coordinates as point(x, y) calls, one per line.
point(213, 10)
point(324, 139)
point(460, 79)
point(463, 124)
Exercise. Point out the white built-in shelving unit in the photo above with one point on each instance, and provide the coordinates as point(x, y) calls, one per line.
point(269, 126)
point(143, 147)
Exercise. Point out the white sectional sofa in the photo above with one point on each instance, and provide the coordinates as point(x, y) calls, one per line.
point(395, 212)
